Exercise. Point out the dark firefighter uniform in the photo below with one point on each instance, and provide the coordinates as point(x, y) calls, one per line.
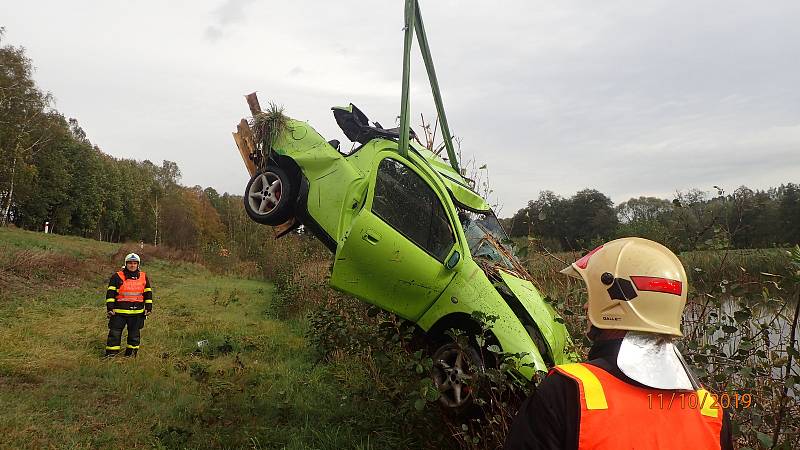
point(594, 405)
point(129, 295)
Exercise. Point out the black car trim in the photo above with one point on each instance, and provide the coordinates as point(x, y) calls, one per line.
point(526, 320)
point(301, 211)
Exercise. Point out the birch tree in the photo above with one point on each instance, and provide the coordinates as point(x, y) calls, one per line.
point(23, 122)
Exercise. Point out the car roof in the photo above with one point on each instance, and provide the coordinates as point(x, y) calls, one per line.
point(459, 187)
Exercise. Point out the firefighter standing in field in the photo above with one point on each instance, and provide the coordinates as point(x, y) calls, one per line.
point(129, 299)
point(636, 391)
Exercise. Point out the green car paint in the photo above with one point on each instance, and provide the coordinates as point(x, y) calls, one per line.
point(472, 291)
point(554, 332)
point(455, 183)
point(331, 177)
point(379, 265)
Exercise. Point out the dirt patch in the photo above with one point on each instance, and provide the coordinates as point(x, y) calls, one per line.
point(17, 380)
point(44, 270)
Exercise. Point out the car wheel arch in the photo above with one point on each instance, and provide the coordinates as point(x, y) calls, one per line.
point(289, 165)
point(460, 321)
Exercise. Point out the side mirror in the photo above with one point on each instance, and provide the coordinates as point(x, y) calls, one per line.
point(452, 260)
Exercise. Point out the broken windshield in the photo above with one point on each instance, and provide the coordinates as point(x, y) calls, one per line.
point(486, 238)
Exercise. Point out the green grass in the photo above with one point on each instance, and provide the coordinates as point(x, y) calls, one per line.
point(255, 385)
point(68, 245)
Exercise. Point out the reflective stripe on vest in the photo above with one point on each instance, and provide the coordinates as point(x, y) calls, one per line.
point(615, 414)
point(131, 290)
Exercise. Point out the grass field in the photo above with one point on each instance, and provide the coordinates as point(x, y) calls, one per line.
point(255, 384)
point(230, 362)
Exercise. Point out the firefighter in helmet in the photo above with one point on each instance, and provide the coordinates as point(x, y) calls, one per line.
point(129, 299)
point(620, 397)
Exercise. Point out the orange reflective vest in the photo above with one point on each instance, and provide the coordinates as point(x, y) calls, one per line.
point(131, 290)
point(618, 415)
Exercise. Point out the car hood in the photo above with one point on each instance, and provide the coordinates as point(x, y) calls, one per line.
point(542, 313)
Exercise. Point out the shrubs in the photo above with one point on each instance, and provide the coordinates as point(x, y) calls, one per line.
point(738, 333)
point(149, 252)
point(35, 263)
point(299, 266)
point(42, 268)
point(738, 327)
point(398, 360)
point(741, 338)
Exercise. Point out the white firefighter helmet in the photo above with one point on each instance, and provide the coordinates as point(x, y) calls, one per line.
point(633, 284)
point(133, 257)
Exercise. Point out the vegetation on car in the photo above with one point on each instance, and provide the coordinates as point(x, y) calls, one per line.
point(268, 125)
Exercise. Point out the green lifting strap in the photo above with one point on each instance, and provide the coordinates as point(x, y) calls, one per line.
point(404, 103)
point(413, 18)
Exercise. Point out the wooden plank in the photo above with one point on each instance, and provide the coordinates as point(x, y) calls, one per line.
point(245, 153)
point(252, 102)
point(247, 136)
point(284, 228)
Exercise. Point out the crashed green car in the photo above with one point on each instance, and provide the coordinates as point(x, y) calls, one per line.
point(409, 236)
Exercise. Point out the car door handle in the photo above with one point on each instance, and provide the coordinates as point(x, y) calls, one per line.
point(371, 236)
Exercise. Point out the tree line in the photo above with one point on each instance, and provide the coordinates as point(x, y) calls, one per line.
point(693, 220)
point(51, 173)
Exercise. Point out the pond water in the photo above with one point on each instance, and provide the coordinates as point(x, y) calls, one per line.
point(770, 326)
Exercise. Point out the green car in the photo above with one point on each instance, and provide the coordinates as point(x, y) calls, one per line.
point(409, 236)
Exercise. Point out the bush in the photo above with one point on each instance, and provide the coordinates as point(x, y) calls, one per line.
point(740, 333)
point(740, 326)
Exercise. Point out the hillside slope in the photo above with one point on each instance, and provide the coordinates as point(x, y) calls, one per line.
point(254, 384)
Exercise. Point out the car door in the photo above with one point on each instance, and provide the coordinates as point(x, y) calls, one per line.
point(395, 251)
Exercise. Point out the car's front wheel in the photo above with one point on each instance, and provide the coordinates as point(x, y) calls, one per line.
point(455, 373)
point(268, 198)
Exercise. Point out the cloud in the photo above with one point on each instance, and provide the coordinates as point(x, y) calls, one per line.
point(212, 33)
point(631, 98)
point(230, 12)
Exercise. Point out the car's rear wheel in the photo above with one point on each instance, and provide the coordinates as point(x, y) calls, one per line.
point(455, 374)
point(269, 196)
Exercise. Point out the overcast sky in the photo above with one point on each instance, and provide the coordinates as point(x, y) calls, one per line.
point(627, 97)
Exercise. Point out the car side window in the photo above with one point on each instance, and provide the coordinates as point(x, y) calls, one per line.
point(406, 202)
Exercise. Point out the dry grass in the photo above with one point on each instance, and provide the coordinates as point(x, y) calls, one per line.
point(255, 384)
point(149, 252)
point(21, 269)
point(268, 125)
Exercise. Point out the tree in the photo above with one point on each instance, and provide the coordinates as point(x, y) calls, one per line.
point(590, 220)
point(646, 217)
point(213, 196)
point(752, 218)
point(44, 194)
point(548, 215)
point(165, 184)
point(789, 213)
point(518, 224)
point(698, 221)
point(86, 192)
point(23, 123)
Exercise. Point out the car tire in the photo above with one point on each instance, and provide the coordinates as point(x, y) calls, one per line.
point(454, 375)
point(269, 196)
